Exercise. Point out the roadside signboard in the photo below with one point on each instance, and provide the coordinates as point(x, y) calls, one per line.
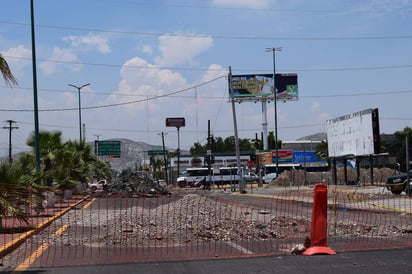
point(109, 148)
point(175, 122)
point(157, 152)
point(257, 86)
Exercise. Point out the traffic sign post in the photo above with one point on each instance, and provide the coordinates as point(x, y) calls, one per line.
point(109, 148)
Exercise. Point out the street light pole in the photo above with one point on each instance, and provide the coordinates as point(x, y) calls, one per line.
point(273, 50)
point(80, 108)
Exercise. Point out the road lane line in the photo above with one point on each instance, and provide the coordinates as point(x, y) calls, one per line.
point(89, 203)
point(26, 263)
point(36, 254)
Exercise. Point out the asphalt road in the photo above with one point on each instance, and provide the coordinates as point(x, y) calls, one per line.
point(382, 261)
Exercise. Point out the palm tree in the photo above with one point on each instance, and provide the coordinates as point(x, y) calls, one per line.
point(75, 163)
point(6, 72)
point(17, 187)
point(49, 143)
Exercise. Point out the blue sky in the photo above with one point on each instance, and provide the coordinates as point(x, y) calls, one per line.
point(157, 59)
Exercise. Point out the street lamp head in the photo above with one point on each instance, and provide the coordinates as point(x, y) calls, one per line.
point(273, 49)
point(85, 85)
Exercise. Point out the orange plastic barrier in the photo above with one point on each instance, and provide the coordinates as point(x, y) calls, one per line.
point(318, 233)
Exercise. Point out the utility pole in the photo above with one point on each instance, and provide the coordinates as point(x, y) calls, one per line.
point(209, 151)
point(239, 170)
point(164, 157)
point(35, 100)
point(10, 128)
point(96, 145)
point(273, 50)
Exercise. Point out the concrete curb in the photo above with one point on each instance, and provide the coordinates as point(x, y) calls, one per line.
point(11, 245)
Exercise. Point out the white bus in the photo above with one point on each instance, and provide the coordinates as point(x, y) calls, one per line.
point(222, 175)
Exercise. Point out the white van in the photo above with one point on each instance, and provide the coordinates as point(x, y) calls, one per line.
point(270, 171)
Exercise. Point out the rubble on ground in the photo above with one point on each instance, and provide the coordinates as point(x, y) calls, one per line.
point(137, 184)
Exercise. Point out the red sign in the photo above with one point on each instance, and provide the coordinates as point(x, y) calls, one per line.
point(175, 122)
point(250, 164)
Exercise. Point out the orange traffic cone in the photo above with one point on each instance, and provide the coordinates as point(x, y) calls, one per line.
point(318, 233)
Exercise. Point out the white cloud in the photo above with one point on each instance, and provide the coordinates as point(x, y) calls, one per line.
point(323, 117)
point(147, 49)
point(255, 4)
point(146, 83)
point(15, 64)
point(178, 49)
point(90, 41)
point(315, 106)
point(62, 55)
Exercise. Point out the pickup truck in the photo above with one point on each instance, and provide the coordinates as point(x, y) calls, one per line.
point(398, 183)
point(98, 185)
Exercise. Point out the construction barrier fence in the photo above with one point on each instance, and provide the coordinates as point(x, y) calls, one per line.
point(51, 230)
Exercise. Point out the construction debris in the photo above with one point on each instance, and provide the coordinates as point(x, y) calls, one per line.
point(137, 184)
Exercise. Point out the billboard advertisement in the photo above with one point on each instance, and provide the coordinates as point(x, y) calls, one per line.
point(257, 86)
point(286, 86)
point(356, 134)
point(306, 157)
point(285, 156)
point(175, 122)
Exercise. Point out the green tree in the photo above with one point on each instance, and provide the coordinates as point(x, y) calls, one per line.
point(246, 145)
point(322, 150)
point(6, 72)
point(401, 137)
point(197, 149)
point(219, 144)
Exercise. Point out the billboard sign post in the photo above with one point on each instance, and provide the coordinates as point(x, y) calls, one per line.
point(177, 122)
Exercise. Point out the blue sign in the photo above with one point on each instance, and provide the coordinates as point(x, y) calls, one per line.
point(305, 156)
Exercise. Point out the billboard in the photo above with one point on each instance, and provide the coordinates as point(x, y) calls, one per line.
point(285, 156)
point(356, 134)
point(257, 86)
point(306, 156)
point(176, 122)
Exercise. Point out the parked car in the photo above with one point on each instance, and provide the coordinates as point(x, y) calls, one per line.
point(398, 183)
point(268, 178)
point(251, 177)
point(98, 185)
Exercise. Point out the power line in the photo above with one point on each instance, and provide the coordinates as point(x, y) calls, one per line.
point(227, 37)
point(124, 103)
point(217, 70)
point(372, 93)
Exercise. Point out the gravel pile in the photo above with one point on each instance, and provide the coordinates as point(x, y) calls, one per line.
point(196, 219)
